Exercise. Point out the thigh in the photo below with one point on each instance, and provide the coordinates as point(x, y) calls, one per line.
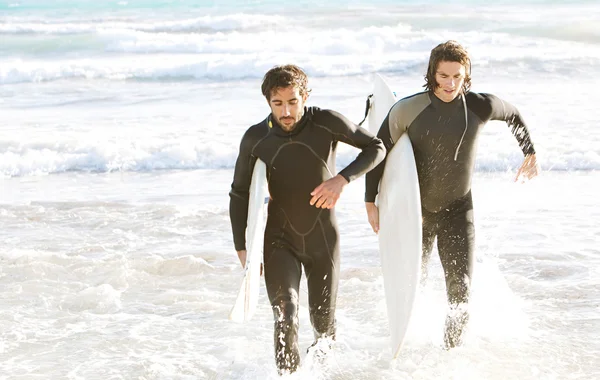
point(456, 246)
point(283, 272)
point(429, 231)
point(322, 266)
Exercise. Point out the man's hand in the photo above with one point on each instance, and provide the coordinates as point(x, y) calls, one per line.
point(529, 169)
point(373, 215)
point(242, 257)
point(326, 194)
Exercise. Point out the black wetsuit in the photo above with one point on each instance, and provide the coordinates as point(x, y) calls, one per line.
point(444, 139)
point(298, 234)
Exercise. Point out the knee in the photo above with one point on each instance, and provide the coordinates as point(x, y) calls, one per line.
point(323, 322)
point(285, 310)
point(458, 289)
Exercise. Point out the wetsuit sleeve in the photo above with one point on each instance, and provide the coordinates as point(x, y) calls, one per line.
point(240, 192)
point(494, 108)
point(374, 176)
point(372, 150)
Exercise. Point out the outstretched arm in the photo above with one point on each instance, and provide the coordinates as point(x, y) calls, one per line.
point(502, 110)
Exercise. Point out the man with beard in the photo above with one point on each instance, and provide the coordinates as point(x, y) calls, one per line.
point(298, 146)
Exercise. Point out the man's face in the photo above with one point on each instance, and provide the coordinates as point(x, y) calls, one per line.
point(287, 106)
point(449, 78)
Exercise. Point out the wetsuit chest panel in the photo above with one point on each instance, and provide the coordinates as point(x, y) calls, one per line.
point(435, 135)
point(296, 165)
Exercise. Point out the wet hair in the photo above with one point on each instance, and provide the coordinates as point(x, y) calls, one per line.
point(449, 51)
point(282, 77)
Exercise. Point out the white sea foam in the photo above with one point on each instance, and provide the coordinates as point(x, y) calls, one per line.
point(119, 129)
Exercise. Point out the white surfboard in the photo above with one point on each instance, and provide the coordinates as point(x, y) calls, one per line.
point(400, 223)
point(247, 298)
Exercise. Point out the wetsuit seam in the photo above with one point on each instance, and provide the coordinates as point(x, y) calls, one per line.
point(335, 133)
point(504, 115)
point(324, 237)
point(398, 108)
point(237, 195)
point(295, 230)
point(478, 119)
point(307, 146)
point(283, 229)
point(255, 145)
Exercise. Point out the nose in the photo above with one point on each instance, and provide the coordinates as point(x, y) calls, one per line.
point(286, 110)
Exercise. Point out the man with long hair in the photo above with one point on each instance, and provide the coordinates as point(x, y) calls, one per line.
point(298, 145)
point(443, 124)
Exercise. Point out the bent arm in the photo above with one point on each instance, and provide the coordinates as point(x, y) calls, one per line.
point(504, 111)
point(372, 149)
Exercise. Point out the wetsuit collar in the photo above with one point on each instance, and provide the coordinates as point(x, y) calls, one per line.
point(276, 128)
point(441, 105)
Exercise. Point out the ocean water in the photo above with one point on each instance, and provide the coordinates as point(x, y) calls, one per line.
point(119, 126)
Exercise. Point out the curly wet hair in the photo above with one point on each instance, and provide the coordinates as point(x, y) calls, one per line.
point(450, 51)
point(284, 76)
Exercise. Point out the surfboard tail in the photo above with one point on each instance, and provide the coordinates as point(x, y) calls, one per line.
point(247, 299)
point(238, 311)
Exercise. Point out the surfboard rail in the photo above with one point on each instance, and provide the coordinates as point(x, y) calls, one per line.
point(400, 221)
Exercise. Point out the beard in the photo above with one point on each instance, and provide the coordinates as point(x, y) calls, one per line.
point(288, 127)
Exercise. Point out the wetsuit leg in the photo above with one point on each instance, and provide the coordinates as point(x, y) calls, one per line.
point(283, 272)
point(429, 233)
point(322, 273)
point(456, 243)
